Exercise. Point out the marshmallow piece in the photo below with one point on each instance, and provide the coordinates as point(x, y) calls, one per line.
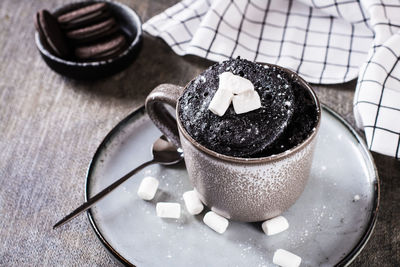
point(148, 188)
point(220, 102)
point(216, 222)
point(168, 210)
point(275, 225)
point(286, 259)
point(192, 202)
point(234, 83)
point(246, 102)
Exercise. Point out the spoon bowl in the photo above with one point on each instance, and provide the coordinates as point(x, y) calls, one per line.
point(165, 153)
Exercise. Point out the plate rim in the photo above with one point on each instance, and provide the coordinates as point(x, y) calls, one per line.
point(350, 256)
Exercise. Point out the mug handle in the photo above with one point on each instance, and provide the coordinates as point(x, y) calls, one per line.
point(155, 107)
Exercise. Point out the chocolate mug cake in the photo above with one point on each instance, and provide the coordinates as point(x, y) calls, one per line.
point(286, 117)
point(248, 132)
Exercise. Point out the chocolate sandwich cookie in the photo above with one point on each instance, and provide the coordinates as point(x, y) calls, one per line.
point(102, 50)
point(94, 31)
point(84, 16)
point(241, 135)
point(50, 32)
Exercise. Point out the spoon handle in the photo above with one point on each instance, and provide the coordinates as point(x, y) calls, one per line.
point(85, 206)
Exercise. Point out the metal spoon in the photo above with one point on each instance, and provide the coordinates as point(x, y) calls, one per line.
point(164, 153)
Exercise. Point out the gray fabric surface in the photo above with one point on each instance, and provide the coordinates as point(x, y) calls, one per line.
point(51, 126)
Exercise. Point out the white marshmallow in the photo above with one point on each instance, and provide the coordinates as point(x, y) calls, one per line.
point(234, 83)
point(168, 210)
point(192, 202)
point(286, 259)
point(246, 102)
point(237, 89)
point(148, 188)
point(216, 222)
point(275, 225)
point(220, 102)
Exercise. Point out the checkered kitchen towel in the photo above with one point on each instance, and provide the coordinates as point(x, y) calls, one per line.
point(325, 41)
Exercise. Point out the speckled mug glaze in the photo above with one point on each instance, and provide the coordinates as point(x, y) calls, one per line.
point(242, 189)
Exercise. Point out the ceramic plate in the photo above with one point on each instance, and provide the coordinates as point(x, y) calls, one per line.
point(329, 224)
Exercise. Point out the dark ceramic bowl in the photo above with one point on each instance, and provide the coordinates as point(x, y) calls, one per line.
point(130, 24)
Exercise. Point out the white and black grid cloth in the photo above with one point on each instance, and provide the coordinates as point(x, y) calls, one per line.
point(325, 41)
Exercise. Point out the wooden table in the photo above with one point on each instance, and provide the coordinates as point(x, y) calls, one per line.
point(51, 126)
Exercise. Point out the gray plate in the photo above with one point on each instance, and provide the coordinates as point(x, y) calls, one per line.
point(327, 226)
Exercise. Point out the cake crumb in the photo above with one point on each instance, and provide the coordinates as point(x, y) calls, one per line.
point(356, 198)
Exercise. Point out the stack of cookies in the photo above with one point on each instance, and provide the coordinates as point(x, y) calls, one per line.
point(87, 33)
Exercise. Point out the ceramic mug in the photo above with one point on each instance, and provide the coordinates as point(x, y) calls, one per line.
point(242, 189)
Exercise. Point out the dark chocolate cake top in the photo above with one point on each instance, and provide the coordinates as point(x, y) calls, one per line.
point(240, 135)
